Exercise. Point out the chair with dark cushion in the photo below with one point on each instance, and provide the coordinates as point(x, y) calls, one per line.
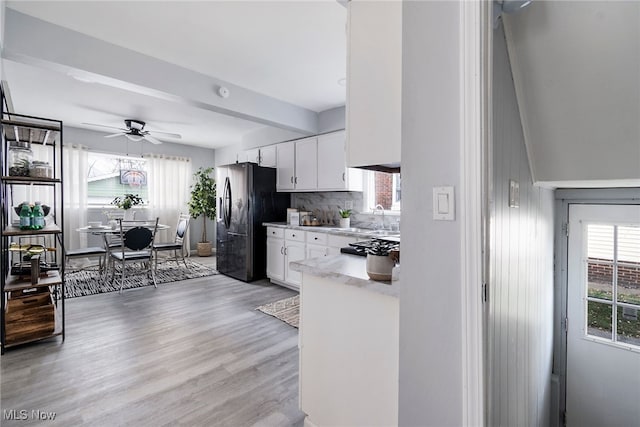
point(177, 244)
point(93, 251)
point(136, 248)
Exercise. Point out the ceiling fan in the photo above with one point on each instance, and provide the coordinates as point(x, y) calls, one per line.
point(135, 131)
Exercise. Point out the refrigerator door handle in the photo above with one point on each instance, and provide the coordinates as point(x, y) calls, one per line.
point(227, 202)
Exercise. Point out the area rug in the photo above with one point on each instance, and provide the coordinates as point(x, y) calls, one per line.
point(287, 310)
point(89, 282)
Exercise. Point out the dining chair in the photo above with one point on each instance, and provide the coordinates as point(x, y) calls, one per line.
point(136, 248)
point(177, 244)
point(90, 252)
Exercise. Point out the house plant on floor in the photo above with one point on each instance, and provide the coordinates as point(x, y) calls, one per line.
point(126, 202)
point(203, 202)
point(345, 218)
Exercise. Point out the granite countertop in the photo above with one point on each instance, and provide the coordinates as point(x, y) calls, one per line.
point(353, 232)
point(348, 269)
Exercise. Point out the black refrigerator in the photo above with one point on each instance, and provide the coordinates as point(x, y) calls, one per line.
point(246, 198)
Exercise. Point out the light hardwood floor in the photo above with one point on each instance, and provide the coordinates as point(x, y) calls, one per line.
point(190, 353)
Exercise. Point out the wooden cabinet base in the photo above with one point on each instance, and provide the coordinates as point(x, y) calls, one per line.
point(29, 317)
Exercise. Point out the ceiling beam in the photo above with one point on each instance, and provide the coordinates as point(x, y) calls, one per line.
point(38, 43)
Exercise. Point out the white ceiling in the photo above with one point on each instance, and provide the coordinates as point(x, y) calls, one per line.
point(294, 51)
point(576, 68)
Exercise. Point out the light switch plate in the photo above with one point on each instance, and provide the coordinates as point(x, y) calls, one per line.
point(514, 194)
point(443, 204)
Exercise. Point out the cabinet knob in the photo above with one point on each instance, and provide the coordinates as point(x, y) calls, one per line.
point(293, 235)
point(342, 176)
point(315, 238)
point(292, 180)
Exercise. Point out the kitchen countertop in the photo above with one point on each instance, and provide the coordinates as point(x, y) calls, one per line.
point(353, 232)
point(348, 269)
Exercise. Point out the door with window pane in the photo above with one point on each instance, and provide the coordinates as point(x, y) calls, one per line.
point(603, 311)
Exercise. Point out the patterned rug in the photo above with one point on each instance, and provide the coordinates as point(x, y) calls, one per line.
point(287, 310)
point(88, 282)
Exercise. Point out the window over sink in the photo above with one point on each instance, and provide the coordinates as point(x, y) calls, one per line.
point(383, 189)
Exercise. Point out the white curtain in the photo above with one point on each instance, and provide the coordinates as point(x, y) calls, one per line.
point(75, 170)
point(169, 179)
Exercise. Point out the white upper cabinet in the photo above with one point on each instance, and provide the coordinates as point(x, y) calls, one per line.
point(333, 173)
point(285, 157)
point(268, 156)
point(374, 82)
point(252, 156)
point(306, 176)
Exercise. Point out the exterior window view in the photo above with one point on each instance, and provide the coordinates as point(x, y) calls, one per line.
point(110, 176)
point(613, 283)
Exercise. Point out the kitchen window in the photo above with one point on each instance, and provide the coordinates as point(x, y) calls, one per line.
point(383, 189)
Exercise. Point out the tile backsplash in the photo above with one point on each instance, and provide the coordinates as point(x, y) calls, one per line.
point(325, 206)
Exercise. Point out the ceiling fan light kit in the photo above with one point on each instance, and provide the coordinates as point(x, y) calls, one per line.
point(134, 131)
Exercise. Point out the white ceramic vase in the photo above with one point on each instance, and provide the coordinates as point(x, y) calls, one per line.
point(345, 222)
point(129, 215)
point(379, 267)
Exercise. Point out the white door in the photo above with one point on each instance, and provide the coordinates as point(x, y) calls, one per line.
point(316, 251)
point(306, 177)
point(252, 155)
point(294, 251)
point(332, 170)
point(275, 258)
point(285, 159)
point(603, 312)
point(268, 156)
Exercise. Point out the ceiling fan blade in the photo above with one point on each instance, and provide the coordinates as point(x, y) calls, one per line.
point(152, 139)
point(104, 126)
point(170, 135)
point(115, 134)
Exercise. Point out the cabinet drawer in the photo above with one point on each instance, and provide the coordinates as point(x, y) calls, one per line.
point(341, 241)
point(316, 238)
point(275, 232)
point(295, 235)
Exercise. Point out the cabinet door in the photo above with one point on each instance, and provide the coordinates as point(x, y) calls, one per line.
point(316, 251)
point(374, 73)
point(285, 160)
point(306, 177)
point(268, 156)
point(332, 171)
point(294, 251)
point(275, 258)
point(252, 155)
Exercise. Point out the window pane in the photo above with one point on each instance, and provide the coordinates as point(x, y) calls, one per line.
point(600, 242)
point(629, 244)
point(629, 283)
point(599, 316)
point(629, 325)
point(600, 280)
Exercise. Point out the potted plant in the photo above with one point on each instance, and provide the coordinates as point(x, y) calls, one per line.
point(203, 202)
point(379, 262)
point(345, 218)
point(126, 202)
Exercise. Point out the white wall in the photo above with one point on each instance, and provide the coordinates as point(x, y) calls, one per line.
point(330, 120)
point(520, 317)
point(200, 157)
point(430, 309)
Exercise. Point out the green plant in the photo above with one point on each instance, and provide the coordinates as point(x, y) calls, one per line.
point(127, 201)
point(203, 198)
point(381, 247)
point(344, 213)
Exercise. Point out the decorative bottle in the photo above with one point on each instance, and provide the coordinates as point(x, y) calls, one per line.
point(25, 216)
point(38, 217)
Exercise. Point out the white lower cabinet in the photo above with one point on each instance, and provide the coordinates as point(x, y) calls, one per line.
point(275, 258)
point(285, 245)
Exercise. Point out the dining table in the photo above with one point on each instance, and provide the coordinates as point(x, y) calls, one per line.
point(107, 230)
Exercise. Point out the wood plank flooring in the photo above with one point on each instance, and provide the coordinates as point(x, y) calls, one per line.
point(193, 353)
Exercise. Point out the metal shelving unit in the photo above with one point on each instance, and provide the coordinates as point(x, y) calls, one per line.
point(32, 310)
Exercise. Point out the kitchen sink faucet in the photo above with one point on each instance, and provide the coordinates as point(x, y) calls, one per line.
point(379, 208)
